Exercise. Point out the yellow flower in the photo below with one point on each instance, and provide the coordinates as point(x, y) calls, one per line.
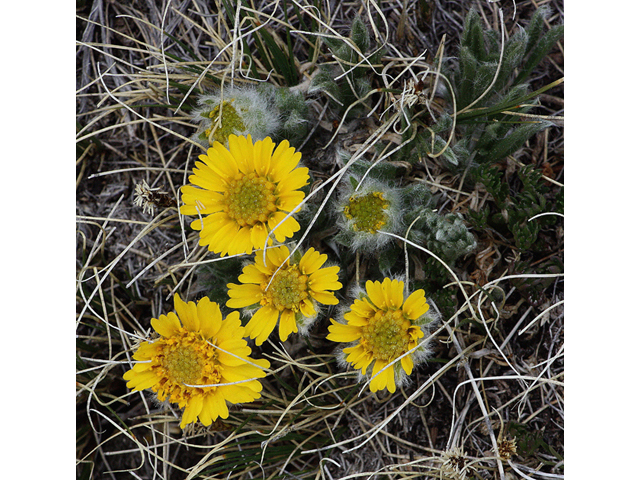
point(198, 347)
point(245, 191)
point(382, 325)
point(284, 289)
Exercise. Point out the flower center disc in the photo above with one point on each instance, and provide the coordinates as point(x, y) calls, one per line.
point(288, 289)
point(368, 212)
point(184, 364)
point(250, 200)
point(387, 335)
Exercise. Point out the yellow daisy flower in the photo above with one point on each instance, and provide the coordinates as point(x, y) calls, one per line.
point(382, 325)
point(197, 347)
point(245, 191)
point(283, 289)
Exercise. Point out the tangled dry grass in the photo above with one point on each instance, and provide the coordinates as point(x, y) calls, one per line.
point(491, 402)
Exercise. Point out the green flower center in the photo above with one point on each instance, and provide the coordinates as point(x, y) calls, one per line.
point(184, 365)
point(250, 199)
point(287, 290)
point(367, 211)
point(230, 122)
point(188, 359)
point(387, 335)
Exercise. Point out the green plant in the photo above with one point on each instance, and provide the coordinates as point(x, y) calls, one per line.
point(349, 79)
point(276, 58)
point(516, 210)
point(485, 96)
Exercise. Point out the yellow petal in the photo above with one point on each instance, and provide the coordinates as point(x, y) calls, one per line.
point(416, 333)
point(233, 352)
point(297, 179)
point(358, 357)
point(146, 350)
point(311, 261)
point(140, 381)
point(191, 412)
point(356, 320)
point(240, 393)
point(217, 230)
point(243, 295)
point(142, 366)
point(188, 313)
point(216, 404)
point(251, 274)
point(363, 308)
point(210, 317)
point(390, 378)
point(241, 149)
point(395, 294)
point(415, 305)
point(244, 372)
point(290, 201)
point(239, 243)
point(262, 324)
point(207, 179)
point(379, 382)
point(374, 291)
point(307, 309)
point(262, 156)
point(288, 324)
point(205, 413)
point(324, 298)
point(276, 257)
point(166, 325)
point(284, 231)
point(325, 279)
point(220, 160)
point(283, 161)
point(407, 364)
point(339, 332)
point(258, 235)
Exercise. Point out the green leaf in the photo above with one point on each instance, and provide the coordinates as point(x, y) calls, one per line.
point(273, 55)
point(491, 178)
point(512, 142)
point(483, 78)
point(324, 82)
point(465, 85)
point(536, 27)
point(513, 55)
point(267, 48)
point(360, 35)
point(525, 234)
point(542, 48)
point(473, 36)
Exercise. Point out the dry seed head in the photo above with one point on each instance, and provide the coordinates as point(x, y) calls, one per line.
point(148, 198)
point(507, 448)
point(456, 465)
